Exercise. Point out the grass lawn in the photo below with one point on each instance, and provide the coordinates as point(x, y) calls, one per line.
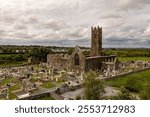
point(8, 55)
point(12, 96)
point(124, 59)
point(8, 80)
point(48, 85)
point(34, 79)
point(15, 87)
point(5, 81)
point(34, 91)
point(141, 79)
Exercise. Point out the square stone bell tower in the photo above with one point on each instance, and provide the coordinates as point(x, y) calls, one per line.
point(96, 41)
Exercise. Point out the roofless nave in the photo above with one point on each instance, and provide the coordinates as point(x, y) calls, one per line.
point(78, 63)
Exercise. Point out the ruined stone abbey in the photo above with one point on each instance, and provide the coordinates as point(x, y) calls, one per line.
point(78, 63)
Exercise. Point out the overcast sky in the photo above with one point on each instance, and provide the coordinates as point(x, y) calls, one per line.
point(126, 23)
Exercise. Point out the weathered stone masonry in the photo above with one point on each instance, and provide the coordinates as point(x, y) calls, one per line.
point(78, 63)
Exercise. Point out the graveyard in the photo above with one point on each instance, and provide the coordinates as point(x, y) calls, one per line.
point(24, 81)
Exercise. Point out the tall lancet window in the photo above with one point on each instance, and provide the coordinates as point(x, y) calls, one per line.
point(76, 59)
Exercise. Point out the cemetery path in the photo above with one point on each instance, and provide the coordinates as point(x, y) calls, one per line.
point(109, 91)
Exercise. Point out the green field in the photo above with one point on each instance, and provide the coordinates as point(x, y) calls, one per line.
point(7, 55)
point(12, 63)
point(12, 59)
point(124, 59)
point(141, 80)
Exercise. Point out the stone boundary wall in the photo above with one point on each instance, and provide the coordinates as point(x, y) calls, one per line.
point(67, 89)
point(125, 74)
point(50, 93)
point(36, 96)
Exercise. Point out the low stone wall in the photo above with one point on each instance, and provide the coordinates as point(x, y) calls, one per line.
point(57, 96)
point(61, 90)
point(125, 74)
point(51, 93)
point(36, 96)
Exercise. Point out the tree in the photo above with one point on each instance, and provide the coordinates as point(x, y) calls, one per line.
point(19, 57)
point(93, 88)
point(70, 50)
point(40, 53)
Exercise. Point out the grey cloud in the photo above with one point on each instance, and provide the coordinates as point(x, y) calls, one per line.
point(20, 26)
point(64, 42)
point(27, 19)
point(111, 22)
point(23, 35)
point(132, 4)
point(110, 14)
point(75, 33)
point(124, 42)
point(64, 22)
point(147, 31)
point(2, 32)
point(55, 25)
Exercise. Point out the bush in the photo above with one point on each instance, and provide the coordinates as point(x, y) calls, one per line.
point(132, 85)
point(123, 95)
point(78, 98)
point(145, 94)
point(72, 88)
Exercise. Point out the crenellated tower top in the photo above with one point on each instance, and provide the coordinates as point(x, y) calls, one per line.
point(96, 41)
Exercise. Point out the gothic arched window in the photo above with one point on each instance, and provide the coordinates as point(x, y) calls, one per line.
point(76, 59)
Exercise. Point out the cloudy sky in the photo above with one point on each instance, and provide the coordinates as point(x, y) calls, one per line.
point(126, 23)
